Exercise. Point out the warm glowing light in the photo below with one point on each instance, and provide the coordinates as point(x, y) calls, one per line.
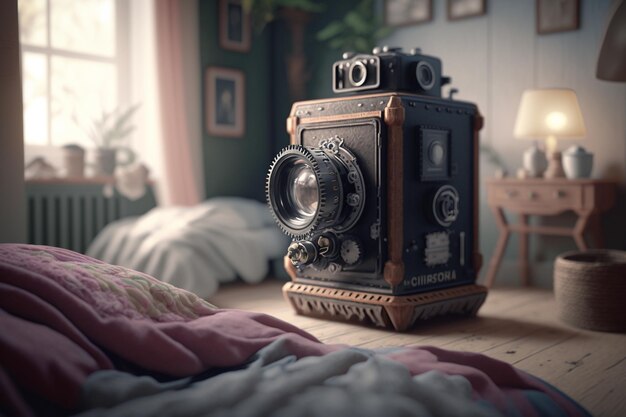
point(556, 120)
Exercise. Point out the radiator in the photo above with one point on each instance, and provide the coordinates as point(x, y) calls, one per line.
point(70, 214)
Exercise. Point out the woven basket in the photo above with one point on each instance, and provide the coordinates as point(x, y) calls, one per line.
point(590, 289)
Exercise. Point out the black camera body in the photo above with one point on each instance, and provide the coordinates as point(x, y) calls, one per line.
point(389, 69)
point(379, 194)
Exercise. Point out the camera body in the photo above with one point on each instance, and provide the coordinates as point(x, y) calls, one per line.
point(389, 69)
point(379, 194)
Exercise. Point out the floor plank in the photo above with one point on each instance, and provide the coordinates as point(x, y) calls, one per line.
point(516, 325)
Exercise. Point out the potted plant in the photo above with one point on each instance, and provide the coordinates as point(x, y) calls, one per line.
point(359, 30)
point(109, 133)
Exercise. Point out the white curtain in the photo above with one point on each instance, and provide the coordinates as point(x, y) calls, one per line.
point(166, 81)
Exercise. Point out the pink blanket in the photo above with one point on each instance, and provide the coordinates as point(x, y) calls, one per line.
point(65, 316)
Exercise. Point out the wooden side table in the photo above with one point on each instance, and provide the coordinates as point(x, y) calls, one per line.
point(546, 197)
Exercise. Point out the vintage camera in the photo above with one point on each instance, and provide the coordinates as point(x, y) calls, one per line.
point(378, 191)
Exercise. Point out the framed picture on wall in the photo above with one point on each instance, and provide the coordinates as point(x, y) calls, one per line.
point(234, 26)
point(460, 9)
point(225, 102)
point(408, 12)
point(557, 15)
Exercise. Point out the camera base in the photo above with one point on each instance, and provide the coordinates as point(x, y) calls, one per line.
point(399, 312)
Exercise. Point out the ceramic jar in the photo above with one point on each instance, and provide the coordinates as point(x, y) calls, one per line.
point(535, 161)
point(577, 162)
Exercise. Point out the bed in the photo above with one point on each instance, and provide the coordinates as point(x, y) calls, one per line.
point(197, 248)
point(84, 337)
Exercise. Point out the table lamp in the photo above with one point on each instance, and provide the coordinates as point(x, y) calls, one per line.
point(550, 113)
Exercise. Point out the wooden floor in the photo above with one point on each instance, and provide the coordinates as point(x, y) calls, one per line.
point(516, 325)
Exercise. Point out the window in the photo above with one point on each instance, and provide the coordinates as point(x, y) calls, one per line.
point(74, 67)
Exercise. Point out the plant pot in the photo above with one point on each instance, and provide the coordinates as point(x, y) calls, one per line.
point(74, 161)
point(106, 160)
point(104, 164)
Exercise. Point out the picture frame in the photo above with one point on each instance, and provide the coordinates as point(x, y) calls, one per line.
point(462, 9)
point(407, 12)
point(225, 102)
point(557, 15)
point(234, 26)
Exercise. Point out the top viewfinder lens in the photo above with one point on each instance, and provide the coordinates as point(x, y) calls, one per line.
point(358, 74)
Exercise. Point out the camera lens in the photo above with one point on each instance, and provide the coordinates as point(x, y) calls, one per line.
point(308, 189)
point(425, 74)
point(303, 190)
point(358, 74)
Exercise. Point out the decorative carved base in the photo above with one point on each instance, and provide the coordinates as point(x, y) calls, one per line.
point(399, 312)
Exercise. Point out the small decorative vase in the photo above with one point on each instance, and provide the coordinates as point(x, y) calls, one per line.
point(577, 162)
point(535, 162)
point(74, 161)
point(105, 162)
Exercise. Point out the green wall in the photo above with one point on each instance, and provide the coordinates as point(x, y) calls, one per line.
point(320, 59)
point(237, 166)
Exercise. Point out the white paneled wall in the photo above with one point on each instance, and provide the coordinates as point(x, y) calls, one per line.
point(492, 59)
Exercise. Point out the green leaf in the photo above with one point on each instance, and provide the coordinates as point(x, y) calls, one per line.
point(247, 5)
point(362, 45)
point(305, 5)
point(383, 32)
point(123, 119)
point(356, 22)
point(338, 43)
point(330, 31)
point(123, 133)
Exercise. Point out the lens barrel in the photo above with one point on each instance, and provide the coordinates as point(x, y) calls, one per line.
point(303, 190)
point(316, 188)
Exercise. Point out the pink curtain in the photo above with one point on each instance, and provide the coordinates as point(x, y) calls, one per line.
point(180, 185)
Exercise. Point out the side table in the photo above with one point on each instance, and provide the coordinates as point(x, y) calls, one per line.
point(546, 197)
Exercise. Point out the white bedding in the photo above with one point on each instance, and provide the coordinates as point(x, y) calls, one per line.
point(196, 248)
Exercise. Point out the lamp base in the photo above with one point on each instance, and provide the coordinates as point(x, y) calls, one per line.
point(555, 168)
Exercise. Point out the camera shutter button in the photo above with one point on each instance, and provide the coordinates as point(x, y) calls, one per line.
point(387, 48)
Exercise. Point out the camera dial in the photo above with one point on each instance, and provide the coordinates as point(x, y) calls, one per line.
point(351, 251)
point(446, 205)
point(314, 188)
point(302, 253)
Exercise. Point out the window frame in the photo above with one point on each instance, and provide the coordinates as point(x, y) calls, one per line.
point(120, 59)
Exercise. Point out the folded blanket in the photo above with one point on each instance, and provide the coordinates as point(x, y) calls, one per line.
point(195, 248)
point(80, 335)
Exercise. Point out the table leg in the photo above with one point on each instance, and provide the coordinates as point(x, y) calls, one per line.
point(494, 264)
point(596, 229)
point(523, 249)
point(579, 231)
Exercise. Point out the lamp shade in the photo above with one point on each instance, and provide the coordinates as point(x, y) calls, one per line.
point(549, 112)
